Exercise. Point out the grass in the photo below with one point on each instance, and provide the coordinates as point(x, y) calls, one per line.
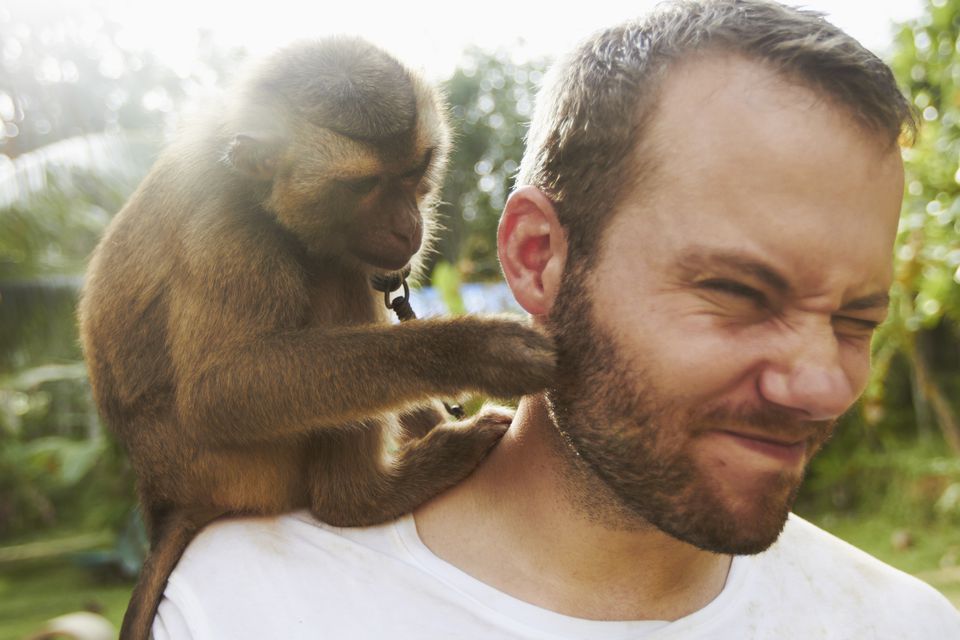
point(933, 555)
point(35, 589)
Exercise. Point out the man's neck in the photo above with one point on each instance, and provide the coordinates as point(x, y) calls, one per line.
point(514, 525)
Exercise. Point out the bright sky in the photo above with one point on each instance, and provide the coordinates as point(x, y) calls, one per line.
point(426, 34)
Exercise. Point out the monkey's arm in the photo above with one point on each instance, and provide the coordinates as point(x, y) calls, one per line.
point(294, 381)
point(250, 375)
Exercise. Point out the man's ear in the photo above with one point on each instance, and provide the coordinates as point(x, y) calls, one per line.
point(532, 247)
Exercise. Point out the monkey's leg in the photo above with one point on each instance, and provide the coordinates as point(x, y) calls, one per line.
point(354, 484)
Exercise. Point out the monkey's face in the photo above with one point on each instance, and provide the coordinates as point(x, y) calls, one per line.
point(385, 228)
point(351, 201)
point(347, 149)
point(373, 218)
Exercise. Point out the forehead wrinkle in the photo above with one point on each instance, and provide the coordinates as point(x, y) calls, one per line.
point(699, 259)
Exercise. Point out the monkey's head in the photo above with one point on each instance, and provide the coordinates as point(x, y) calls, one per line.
point(345, 148)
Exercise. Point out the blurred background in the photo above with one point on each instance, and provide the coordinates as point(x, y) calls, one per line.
point(90, 92)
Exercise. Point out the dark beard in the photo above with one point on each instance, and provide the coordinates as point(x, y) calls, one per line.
point(623, 432)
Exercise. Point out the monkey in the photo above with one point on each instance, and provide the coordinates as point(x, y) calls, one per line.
point(235, 347)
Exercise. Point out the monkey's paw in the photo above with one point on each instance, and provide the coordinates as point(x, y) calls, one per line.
point(517, 359)
point(468, 441)
point(491, 413)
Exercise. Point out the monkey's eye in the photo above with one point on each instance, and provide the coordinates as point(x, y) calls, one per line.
point(362, 186)
point(416, 174)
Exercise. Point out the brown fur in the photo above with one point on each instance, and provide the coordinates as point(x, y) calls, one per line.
point(234, 344)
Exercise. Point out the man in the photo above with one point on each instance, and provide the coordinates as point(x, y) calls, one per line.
point(705, 224)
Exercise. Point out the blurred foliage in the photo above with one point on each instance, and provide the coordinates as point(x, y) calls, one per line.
point(82, 113)
point(69, 71)
point(889, 474)
point(56, 200)
point(899, 457)
point(71, 77)
point(34, 591)
point(446, 280)
point(491, 100)
point(917, 352)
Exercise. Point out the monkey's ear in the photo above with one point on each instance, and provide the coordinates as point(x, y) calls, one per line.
point(254, 156)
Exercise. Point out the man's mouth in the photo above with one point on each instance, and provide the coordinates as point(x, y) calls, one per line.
point(789, 451)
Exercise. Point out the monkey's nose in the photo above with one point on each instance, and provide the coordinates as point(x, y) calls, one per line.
point(410, 238)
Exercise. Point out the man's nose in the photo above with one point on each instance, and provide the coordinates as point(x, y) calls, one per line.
point(807, 375)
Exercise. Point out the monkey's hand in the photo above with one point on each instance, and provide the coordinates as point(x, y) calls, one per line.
point(450, 452)
point(478, 433)
point(420, 469)
point(503, 357)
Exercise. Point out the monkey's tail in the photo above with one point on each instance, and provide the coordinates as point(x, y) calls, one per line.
point(171, 540)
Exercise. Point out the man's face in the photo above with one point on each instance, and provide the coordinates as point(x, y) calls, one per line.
point(726, 323)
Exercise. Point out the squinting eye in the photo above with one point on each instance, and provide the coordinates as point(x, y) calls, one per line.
point(362, 186)
point(857, 327)
point(735, 289)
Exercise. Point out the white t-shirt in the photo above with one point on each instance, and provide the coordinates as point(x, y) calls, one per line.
point(292, 577)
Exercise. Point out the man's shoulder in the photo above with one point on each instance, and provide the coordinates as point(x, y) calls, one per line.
point(849, 586)
point(256, 546)
point(287, 575)
point(807, 549)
